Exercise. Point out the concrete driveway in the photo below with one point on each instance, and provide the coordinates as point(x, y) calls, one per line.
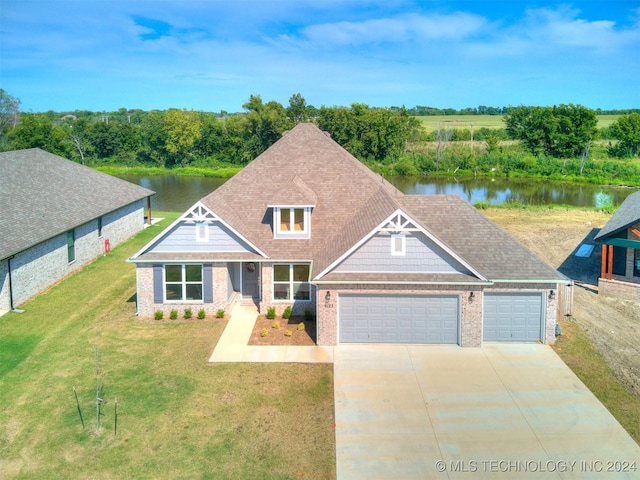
point(500, 411)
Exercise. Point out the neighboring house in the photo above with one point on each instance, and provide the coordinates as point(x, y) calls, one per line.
point(56, 216)
point(620, 237)
point(306, 224)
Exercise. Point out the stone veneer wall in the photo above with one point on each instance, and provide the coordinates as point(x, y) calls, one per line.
point(470, 311)
point(43, 265)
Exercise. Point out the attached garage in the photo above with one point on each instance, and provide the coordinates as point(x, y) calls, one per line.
point(513, 317)
point(398, 318)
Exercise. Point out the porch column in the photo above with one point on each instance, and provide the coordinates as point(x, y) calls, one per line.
point(610, 266)
point(603, 266)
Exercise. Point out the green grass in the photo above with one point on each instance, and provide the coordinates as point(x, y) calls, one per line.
point(178, 417)
point(432, 122)
point(225, 171)
point(577, 350)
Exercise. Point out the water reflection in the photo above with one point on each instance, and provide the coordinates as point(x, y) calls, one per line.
point(177, 193)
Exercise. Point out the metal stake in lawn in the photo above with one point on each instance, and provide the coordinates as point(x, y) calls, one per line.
point(78, 405)
point(99, 401)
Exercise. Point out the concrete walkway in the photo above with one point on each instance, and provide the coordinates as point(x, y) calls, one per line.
point(500, 411)
point(233, 344)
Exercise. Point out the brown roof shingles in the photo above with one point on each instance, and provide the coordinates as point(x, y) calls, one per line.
point(307, 167)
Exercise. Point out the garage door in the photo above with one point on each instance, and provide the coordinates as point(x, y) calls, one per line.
point(398, 319)
point(512, 317)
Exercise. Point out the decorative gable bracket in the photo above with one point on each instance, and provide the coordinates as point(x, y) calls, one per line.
point(399, 223)
point(199, 214)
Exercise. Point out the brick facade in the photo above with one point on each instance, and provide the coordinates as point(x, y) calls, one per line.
point(42, 265)
point(619, 289)
point(471, 310)
point(222, 297)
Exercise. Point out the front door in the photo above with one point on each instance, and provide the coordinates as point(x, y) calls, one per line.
point(250, 280)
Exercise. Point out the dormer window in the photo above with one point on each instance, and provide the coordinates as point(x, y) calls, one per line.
point(292, 222)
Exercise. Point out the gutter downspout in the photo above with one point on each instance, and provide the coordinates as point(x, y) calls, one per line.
point(10, 287)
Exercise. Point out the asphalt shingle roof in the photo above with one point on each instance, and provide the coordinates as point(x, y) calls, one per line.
point(43, 195)
point(627, 214)
point(306, 167)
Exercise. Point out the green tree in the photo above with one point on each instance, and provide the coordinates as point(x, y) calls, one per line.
point(9, 108)
point(265, 124)
point(182, 130)
point(297, 110)
point(627, 131)
point(153, 139)
point(562, 131)
point(369, 133)
point(36, 130)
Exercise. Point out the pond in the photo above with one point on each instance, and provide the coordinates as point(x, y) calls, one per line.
point(179, 192)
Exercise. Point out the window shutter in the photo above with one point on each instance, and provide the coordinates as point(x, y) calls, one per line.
point(158, 294)
point(207, 283)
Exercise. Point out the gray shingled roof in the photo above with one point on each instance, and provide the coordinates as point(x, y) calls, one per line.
point(350, 202)
point(43, 195)
point(627, 214)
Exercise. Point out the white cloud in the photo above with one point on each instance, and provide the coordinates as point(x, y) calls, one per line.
point(402, 28)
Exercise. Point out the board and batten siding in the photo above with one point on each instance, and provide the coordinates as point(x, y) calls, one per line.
point(421, 255)
point(220, 239)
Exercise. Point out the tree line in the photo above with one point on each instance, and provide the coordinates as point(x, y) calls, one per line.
point(388, 139)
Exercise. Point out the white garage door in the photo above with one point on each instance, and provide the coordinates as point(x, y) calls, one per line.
point(513, 317)
point(398, 319)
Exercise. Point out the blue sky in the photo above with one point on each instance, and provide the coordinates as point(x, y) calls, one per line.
point(212, 55)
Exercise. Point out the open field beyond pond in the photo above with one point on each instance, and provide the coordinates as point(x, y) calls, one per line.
point(179, 417)
point(433, 122)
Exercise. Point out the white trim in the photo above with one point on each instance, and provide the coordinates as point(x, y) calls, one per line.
point(290, 282)
point(398, 214)
point(185, 218)
point(292, 233)
point(183, 283)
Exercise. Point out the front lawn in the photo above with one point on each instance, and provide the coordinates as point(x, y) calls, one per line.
point(177, 416)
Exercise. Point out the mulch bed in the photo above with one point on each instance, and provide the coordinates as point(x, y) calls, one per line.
point(276, 336)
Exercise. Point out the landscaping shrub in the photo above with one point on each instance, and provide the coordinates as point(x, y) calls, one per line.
point(275, 324)
point(271, 313)
point(301, 326)
point(287, 312)
point(264, 332)
point(220, 313)
point(188, 313)
point(174, 314)
point(158, 315)
point(288, 333)
point(201, 314)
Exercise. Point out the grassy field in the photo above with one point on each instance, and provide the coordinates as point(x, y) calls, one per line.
point(177, 416)
point(486, 121)
point(577, 350)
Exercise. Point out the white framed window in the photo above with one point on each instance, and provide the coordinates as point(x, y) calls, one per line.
point(398, 245)
point(291, 282)
point(182, 282)
point(292, 221)
point(202, 232)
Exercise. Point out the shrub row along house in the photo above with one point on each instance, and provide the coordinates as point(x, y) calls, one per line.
point(307, 225)
point(55, 217)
